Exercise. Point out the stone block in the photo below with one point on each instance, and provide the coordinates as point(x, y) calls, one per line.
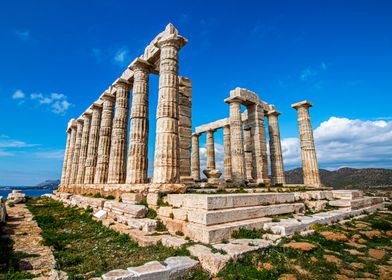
point(143, 239)
point(165, 211)
point(173, 226)
point(173, 241)
point(316, 205)
point(184, 121)
point(118, 274)
point(152, 199)
point(180, 266)
point(128, 210)
point(347, 194)
point(212, 262)
point(239, 247)
point(132, 198)
point(153, 270)
point(185, 108)
point(101, 214)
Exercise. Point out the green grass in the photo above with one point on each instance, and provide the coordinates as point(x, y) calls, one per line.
point(83, 245)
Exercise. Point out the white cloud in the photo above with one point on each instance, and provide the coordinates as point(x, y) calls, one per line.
point(18, 94)
point(7, 142)
point(23, 34)
point(51, 154)
point(121, 56)
point(219, 156)
point(57, 102)
point(5, 153)
point(307, 74)
point(346, 142)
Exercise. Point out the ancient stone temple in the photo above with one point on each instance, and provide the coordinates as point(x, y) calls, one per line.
point(104, 155)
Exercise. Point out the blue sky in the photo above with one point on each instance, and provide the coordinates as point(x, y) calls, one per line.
point(57, 57)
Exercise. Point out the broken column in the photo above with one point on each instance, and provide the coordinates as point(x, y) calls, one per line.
point(76, 154)
point(277, 169)
point(166, 160)
point(92, 149)
point(105, 132)
point(83, 147)
point(308, 152)
point(211, 172)
point(137, 170)
point(118, 149)
point(195, 157)
point(227, 153)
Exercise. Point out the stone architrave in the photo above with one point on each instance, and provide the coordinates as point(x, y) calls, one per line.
point(260, 159)
point(118, 149)
point(92, 149)
point(308, 151)
point(166, 159)
point(105, 132)
point(277, 169)
point(237, 146)
point(227, 153)
point(76, 155)
point(67, 153)
point(195, 157)
point(83, 147)
point(138, 136)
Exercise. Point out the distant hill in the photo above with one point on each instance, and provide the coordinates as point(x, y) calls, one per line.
point(347, 177)
point(49, 184)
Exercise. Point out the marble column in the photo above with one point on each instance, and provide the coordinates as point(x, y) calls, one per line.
point(308, 151)
point(260, 158)
point(71, 150)
point(227, 153)
point(76, 154)
point(137, 169)
point(105, 132)
point(277, 169)
point(195, 157)
point(248, 152)
point(83, 147)
point(118, 149)
point(66, 154)
point(210, 153)
point(167, 148)
point(92, 149)
point(237, 146)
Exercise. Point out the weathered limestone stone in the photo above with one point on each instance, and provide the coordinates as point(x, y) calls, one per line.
point(227, 153)
point(277, 169)
point(210, 150)
point(347, 194)
point(316, 205)
point(132, 198)
point(67, 154)
point(105, 131)
point(76, 154)
point(92, 149)
point(180, 266)
point(260, 160)
point(128, 210)
point(212, 262)
point(83, 147)
point(308, 151)
point(248, 150)
point(239, 247)
point(153, 270)
point(118, 274)
point(138, 135)
point(118, 150)
point(195, 157)
point(173, 241)
point(101, 214)
point(3, 211)
point(237, 147)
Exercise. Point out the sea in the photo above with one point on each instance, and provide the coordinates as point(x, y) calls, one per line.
point(4, 191)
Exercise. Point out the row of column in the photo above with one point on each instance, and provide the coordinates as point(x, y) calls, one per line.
point(97, 142)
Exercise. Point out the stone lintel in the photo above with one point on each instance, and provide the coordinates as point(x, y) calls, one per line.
point(238, 99)
point(274, 112)
point(127, 75)
point(120, 81)
point(212, 126)
point(140, 63)
point(304, 103)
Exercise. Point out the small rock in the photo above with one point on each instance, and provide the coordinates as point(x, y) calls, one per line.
point(377, 254)
point(332, 259)
point(333, 236)
point(357, 265)
point(302, 246)
point(288, 277)
point(371, 233)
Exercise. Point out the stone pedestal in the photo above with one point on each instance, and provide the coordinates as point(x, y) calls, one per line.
point(138, 135)
point(166, 160)
point(118, 150)
point(105, 132)
point(83, 147)
point(76, 154)
point(308, 151)
point(277, 169)
point(227, 153)
point(92, 150)
point(212, 175)
point(195, 157)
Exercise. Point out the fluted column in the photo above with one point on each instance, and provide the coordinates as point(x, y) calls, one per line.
point(83, 147)
point(118, 150)
point(167, 149)
point(66, 154)
point(71, 149)
point(227, 153)
point(195, 157)
point(92, 150)
point(277, 169)
point(210, 153)
point(105, 132)
point(248, 153)
point(308, 151)
point(137, 169)
point(76, 155)
point(237, 146)
point(260, 158)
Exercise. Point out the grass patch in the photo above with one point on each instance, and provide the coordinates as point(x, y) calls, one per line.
point(82, 245)
point(248, 233)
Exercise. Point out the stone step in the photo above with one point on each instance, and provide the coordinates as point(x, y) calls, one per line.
point(225, 201)
point(356, 203)
point(217, 233)
point(128, 210)
point(347, 194)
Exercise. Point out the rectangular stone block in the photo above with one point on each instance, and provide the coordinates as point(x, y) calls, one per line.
point(347, 194)
point(150, 271)
point(132, 198)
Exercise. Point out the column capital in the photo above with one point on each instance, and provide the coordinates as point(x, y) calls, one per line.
point(304, 103)
point(173, 40)
point(140, 64)
point(71, 124)
point(87, 114)
point(96, 106)
point(108, 96)
point(234, 99)
point(273, 113)
point(120, 82)
point(195, 134)
point(80, 121)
